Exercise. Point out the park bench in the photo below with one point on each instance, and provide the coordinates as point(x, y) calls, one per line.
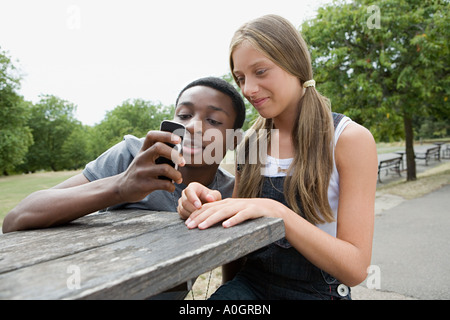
point(389, 161)
point(445, 148)
point(446, 152)
point(124, 254)
point(427, 153)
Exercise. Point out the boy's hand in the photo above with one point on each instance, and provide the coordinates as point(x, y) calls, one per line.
point(193, 197)
point(141, 177)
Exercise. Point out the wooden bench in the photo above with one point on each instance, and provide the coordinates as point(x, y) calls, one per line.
point(446, 151)
point(127, 254)
point(389, 161)
point(427, 153)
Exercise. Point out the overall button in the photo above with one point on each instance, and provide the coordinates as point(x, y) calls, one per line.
point(342, 290)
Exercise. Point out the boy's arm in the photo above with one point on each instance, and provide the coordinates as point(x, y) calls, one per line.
point(68, 201)
point(77, 196)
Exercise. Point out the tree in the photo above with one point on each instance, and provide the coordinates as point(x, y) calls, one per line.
point(15, 136)
point(135, 117)
point(75, 149)
point(52, 122)
point(383, 63)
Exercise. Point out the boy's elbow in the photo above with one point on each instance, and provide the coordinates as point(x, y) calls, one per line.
point(11, 223)
point(19, 220)
point(26, 215)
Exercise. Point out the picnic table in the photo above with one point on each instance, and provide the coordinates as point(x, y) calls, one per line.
point(124, 254)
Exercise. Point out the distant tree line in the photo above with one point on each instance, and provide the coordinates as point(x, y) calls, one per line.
point(61, 142)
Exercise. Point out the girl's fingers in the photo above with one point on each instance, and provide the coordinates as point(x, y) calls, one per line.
point(213, 219)
point(208, 216)
point(185, 206)
point(231, 212)
point(184, 214)
point(195, 221)
point(238, 218)
point(216, 212)
point(192, 196)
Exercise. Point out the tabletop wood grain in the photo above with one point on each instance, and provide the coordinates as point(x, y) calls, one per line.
point(126, 254)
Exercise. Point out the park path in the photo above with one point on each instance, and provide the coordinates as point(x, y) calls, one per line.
point(411, 250)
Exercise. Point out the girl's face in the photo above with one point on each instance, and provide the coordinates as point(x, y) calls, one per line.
point(270, 89)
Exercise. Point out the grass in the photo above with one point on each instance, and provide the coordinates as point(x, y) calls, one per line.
point(15, 188)
point(205, 285)
point(426, 182)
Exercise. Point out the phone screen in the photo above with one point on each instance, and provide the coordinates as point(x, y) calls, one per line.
point(179, 130)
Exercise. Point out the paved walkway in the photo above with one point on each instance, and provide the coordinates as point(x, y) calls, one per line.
point(411, 250)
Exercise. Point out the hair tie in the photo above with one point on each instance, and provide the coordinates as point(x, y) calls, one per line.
point(309, 83)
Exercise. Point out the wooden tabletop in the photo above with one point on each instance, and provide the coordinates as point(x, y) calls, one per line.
point(126, 254)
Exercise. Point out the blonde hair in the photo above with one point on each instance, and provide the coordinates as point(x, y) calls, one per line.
point(313, 133)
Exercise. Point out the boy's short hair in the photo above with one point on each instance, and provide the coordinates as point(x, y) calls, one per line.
point(226, 88)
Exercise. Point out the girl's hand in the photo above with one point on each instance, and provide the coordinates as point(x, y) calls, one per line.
point(233, 211)
point(192, 198)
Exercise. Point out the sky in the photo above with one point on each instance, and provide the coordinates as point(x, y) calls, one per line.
point(97, 54)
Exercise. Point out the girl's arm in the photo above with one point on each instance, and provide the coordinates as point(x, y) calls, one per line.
point(347, 256)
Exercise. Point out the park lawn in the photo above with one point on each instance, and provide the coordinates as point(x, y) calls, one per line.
point(15, 188)
point(428, 181)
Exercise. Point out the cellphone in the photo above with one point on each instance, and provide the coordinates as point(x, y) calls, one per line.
point(179, 130)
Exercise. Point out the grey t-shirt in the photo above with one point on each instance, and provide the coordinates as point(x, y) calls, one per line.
point(117, 159)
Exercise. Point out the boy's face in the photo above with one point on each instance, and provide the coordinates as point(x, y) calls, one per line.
point(207, 114)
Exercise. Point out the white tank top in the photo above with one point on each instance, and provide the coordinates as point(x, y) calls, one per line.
point(271, 170)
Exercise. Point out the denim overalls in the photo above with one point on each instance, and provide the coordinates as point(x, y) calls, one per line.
point(278, 271)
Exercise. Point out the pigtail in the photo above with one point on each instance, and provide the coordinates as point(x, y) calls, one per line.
point(311, 169)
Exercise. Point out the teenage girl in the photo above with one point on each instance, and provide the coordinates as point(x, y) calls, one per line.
point(322, 183)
